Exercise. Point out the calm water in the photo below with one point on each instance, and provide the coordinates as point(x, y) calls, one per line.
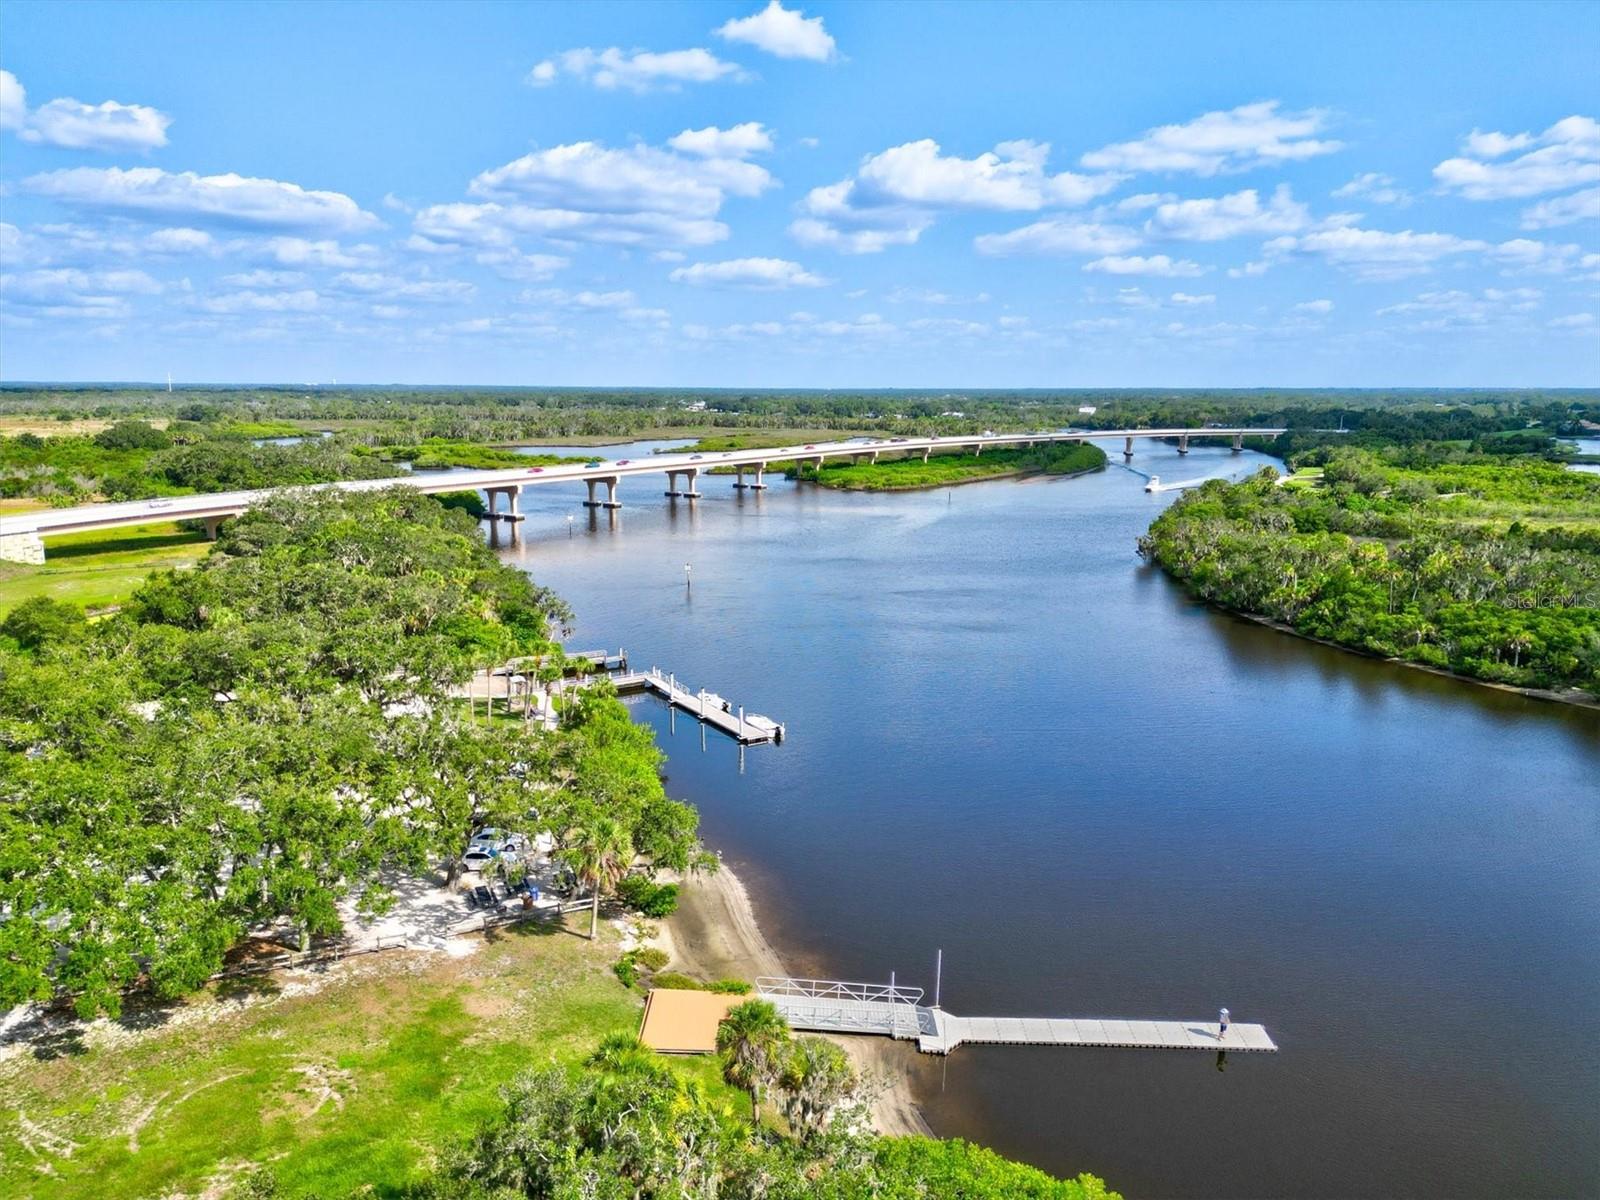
point(1010, 739)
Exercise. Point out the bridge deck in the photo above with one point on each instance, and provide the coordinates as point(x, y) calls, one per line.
point(940, 1032)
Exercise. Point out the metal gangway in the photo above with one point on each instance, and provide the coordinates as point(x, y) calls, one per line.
point(835, 1006)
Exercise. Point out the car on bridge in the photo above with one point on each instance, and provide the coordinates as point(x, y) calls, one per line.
point(588, 465)
point(535, 470)
point(622, 462)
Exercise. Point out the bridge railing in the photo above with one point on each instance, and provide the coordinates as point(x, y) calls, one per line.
point(786, 987)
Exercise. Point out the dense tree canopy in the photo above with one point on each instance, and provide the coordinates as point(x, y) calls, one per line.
point(1489, 568)
point(254, 742)
point(630, 1128)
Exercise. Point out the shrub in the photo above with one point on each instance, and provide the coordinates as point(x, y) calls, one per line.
point(41, 619)
point(626, 970)
point(651, 958)
point(677, 982)
point(730, 987)
point(651, 899)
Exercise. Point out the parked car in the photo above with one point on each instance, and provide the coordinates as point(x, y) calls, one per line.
point(477, 858)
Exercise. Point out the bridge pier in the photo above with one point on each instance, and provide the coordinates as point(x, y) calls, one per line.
point(926, 450)
point(212, 525)
point(611, 493)
point(511, 494)
point(1183, 443)
point(1238, 442)
point(1127, 447)
point(22, 548)
point(757, 486)
point(687, 492)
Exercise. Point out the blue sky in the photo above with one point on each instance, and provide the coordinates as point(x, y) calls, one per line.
point(824, 195)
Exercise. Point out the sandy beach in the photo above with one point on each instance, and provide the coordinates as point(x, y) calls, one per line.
point(714, 935)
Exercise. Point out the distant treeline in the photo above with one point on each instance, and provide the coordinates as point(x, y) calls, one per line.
point(390, 416)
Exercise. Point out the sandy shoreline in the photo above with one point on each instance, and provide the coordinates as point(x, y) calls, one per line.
point(714, 935)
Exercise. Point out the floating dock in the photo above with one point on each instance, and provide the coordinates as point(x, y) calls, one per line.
point(748, 729)
point(831, 1006)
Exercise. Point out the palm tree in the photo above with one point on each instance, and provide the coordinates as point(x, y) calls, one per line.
point(816, 1076)
point(599, 853)
point(623, 1054)
point(751, 1040)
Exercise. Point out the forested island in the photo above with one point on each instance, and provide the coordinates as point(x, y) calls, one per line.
point(1487, 567)
point(945, 469)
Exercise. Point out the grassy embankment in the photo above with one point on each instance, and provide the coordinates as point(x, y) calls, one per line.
point(944, 470)
point(349, 1079)
point(100, 569)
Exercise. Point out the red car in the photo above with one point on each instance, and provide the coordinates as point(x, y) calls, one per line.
point(534, 470)
point(622, 462)
point(809, 447)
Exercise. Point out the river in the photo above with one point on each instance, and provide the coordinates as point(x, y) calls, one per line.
point(1011, 739)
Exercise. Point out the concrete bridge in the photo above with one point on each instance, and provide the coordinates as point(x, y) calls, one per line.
point(21, 533)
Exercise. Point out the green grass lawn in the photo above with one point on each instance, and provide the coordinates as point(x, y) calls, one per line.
point(358, 1077)
point(100, 569)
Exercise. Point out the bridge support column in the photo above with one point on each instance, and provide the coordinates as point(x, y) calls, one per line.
point(1127, 447)
point(22, 548)
point(926, 450)
point(511, 513)
point(1238, 442)
point(1183, 443)
point(740, 484)
point(689, 492)
point(610, 493)
point(212, 525)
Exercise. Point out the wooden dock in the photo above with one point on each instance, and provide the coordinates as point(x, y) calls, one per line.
point(830, 1006)
point(951, 1031)
point(748, 729)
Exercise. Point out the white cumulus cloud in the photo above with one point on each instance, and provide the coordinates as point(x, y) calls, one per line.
point(756, 274)
point(1216, 218)
point(1059, 236)
point(1374, 186)
point(13, 102)
point(73, 125)
point(640, 195)
point(897, 194)
point(1563, 210)
point(1565, 155)
point(1374, 253)
point(1154, 264)
point(1252, 135)
point(635, 70)
point(785, 32)
point(741, 141)
point(108, 126)
point(229, 200)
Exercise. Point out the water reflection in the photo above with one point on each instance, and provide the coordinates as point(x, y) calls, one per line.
point(1010, 738)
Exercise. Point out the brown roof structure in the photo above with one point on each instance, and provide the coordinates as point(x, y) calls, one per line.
point(684, 1022)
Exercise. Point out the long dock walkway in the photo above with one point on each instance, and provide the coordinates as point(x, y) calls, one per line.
point(747, 729)
point(830, 1006)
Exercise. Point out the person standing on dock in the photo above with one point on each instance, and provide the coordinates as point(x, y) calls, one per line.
point(1222, 1020)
